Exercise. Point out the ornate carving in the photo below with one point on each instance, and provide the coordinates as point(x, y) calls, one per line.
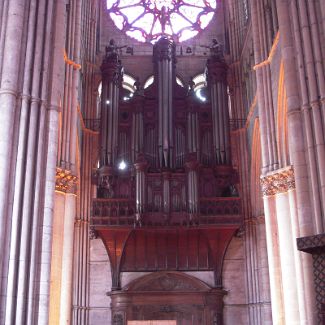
point(65, 182)
point(216, 50)
point(92, 233)
point(277, 182)
point(118, 319)
point(167, 283)
point(164, 49)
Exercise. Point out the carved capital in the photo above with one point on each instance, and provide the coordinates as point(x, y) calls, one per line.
point(65, 182)
point(280, 181)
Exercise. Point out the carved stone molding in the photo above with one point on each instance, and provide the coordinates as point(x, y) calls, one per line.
point(65, 182)
point(280, 181)
point(93, 234)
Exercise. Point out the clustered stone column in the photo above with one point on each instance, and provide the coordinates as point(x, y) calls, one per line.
point(29, 117)
point(288, 210)
point(65, 206)
point(89, 158)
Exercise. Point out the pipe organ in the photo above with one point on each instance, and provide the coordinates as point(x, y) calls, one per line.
point(176, 180)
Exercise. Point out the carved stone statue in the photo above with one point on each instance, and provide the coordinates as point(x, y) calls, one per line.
point(106, 187)
point(216, 50)
point(112, 50)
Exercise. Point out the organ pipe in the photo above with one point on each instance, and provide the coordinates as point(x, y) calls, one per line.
point(164, 59)
point(217, 81)
point(111, 79)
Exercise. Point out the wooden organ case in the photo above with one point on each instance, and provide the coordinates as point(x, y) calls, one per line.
point(174, 207)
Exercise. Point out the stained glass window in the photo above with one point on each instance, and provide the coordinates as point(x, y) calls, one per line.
point(147, 20)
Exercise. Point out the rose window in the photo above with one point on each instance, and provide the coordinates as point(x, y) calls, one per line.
point(147, 20)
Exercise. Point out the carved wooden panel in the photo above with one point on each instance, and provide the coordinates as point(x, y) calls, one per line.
point(169, 295)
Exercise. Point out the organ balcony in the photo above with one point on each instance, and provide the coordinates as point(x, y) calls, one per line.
point(175, 149)
point(165, 171)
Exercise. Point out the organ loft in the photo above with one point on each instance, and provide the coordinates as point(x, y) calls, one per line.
point(165, 179)
point(162, 162)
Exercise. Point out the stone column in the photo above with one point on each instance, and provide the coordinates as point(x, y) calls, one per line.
point(88, 150)
point(31, 58)
point(279, 188)
point(62, 248)
point(308, 215)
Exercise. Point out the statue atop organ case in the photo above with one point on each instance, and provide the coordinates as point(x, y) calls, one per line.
point(165, 168)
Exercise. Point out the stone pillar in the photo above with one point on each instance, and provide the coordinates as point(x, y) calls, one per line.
point(88, 150)
point(279, 188)
point(31, 125)
point(274, 261)
point(62, 248)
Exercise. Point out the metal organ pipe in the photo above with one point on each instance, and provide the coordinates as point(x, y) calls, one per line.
point(164, 58)
point(217, 73)
point(112, 73)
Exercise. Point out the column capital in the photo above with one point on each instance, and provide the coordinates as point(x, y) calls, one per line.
point(65, 181)
point(279, 181)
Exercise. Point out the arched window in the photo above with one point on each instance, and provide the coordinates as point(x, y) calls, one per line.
point(147, 20)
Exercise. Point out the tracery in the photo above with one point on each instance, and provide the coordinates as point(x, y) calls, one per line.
point(147, 20)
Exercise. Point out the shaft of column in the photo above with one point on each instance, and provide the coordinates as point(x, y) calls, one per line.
point(12, 29)
point(273, 254)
